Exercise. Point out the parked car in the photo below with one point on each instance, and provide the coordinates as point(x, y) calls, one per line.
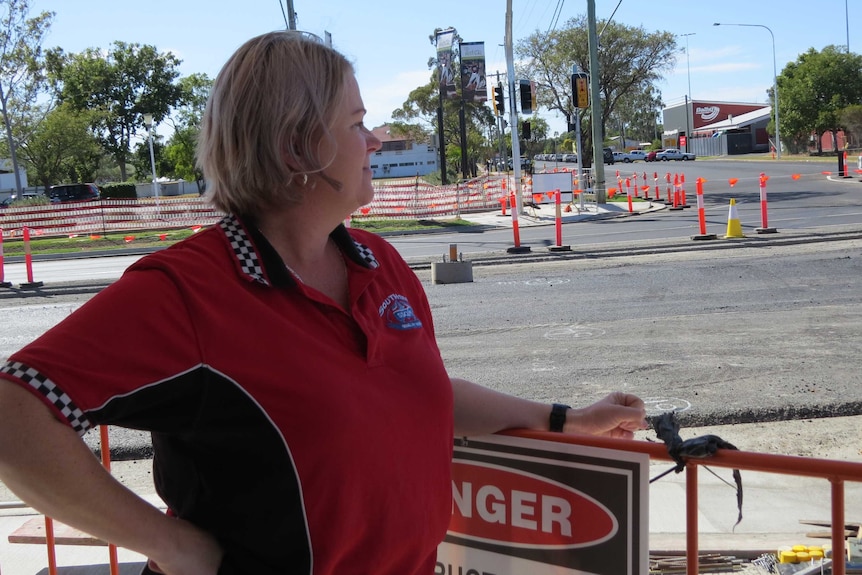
point(5, 203)
point(571, 158)
point(635, 155)
point(525, 163)
point(651, 156)
point(608, 155)
point(674, 154)
point(73, 193)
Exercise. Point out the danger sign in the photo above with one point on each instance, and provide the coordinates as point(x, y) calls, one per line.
point(540, 507)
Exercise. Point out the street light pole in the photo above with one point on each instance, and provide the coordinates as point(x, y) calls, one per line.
point(148, 122)
point(689, 120)
point(774, 81)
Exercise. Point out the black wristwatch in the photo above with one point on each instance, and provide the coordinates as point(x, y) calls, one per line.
point(558, 417)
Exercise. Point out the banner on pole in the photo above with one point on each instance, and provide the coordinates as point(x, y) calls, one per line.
point(473, 85)
point(446, 64)
point(542, 507)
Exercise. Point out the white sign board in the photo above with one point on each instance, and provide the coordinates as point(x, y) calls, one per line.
point(540, 507)
point(553, 181)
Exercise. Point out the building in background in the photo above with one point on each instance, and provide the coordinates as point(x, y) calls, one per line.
point(400, 157)
point(717, 128)
point(7, 176)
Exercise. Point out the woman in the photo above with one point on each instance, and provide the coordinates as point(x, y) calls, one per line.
point(301, 416)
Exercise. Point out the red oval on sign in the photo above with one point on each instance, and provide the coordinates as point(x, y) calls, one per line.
point(497, 504)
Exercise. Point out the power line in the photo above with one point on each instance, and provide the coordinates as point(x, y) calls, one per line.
point(283, 13)
point(556, 17)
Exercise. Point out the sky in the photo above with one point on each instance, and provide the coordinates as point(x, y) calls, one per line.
point(388, 40)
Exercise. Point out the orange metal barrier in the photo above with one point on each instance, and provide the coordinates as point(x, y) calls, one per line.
point(49, 523)
point(836, 472)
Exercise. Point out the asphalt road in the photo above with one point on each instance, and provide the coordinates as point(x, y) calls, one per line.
point(737, 331)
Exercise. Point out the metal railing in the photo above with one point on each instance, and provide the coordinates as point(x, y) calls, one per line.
point(835, 472)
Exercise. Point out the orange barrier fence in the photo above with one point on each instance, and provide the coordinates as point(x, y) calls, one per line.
point(105, 216)
point(393, 199)
point(835, 472)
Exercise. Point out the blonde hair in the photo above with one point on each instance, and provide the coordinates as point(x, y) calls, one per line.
point(270, 107)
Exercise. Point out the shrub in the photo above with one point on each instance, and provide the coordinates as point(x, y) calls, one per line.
point(118, 191)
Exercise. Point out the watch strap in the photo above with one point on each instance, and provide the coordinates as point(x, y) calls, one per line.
point(558, 417)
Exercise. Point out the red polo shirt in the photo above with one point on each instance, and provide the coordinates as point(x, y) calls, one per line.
point(307, 439)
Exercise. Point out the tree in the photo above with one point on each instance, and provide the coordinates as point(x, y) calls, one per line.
point(140, 160)
point(20, 67)
point(631, 60)
point(180, 154)
point(637, 111)
point(120, 86)
point(417, 117)
point(813, 92)
point(61, 148)
point(851, 119)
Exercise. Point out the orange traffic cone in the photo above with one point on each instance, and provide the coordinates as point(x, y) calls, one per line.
point(734, 228)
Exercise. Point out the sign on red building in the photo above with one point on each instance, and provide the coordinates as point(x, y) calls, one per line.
point(705, 113)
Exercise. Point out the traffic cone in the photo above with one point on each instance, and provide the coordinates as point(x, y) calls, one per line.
point(734, 228)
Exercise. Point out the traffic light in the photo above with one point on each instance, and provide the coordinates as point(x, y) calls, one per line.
point(528, 96)
point(525, 130)
point(580, 91)
point(499, 102)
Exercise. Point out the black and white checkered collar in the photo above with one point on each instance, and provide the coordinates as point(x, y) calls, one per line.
point(258, 260)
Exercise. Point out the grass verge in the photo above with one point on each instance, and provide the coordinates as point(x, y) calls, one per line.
point(84, 243)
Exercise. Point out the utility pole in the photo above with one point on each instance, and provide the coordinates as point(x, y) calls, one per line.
point(596, 107)
point(291, 16)
point(513, 111)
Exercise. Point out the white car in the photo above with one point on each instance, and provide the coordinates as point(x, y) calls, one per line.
point(629, 157)
point(674, 154)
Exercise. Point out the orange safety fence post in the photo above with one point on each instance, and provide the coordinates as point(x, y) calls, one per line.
point(558, 218)
point(3, 283)
point(105, 449)
point(504, 203)
point(657, 192)
point(516, 231)
point(669, 200)
point(701, 214)
point(682, 199)
point(764, 229)
point(676, 203)
point(49, 542)
point(558, 221)
point(28, 262)
point(629, 195)
point(635, 184)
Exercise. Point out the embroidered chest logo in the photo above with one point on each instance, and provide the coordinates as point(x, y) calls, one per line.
point(398, 314)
